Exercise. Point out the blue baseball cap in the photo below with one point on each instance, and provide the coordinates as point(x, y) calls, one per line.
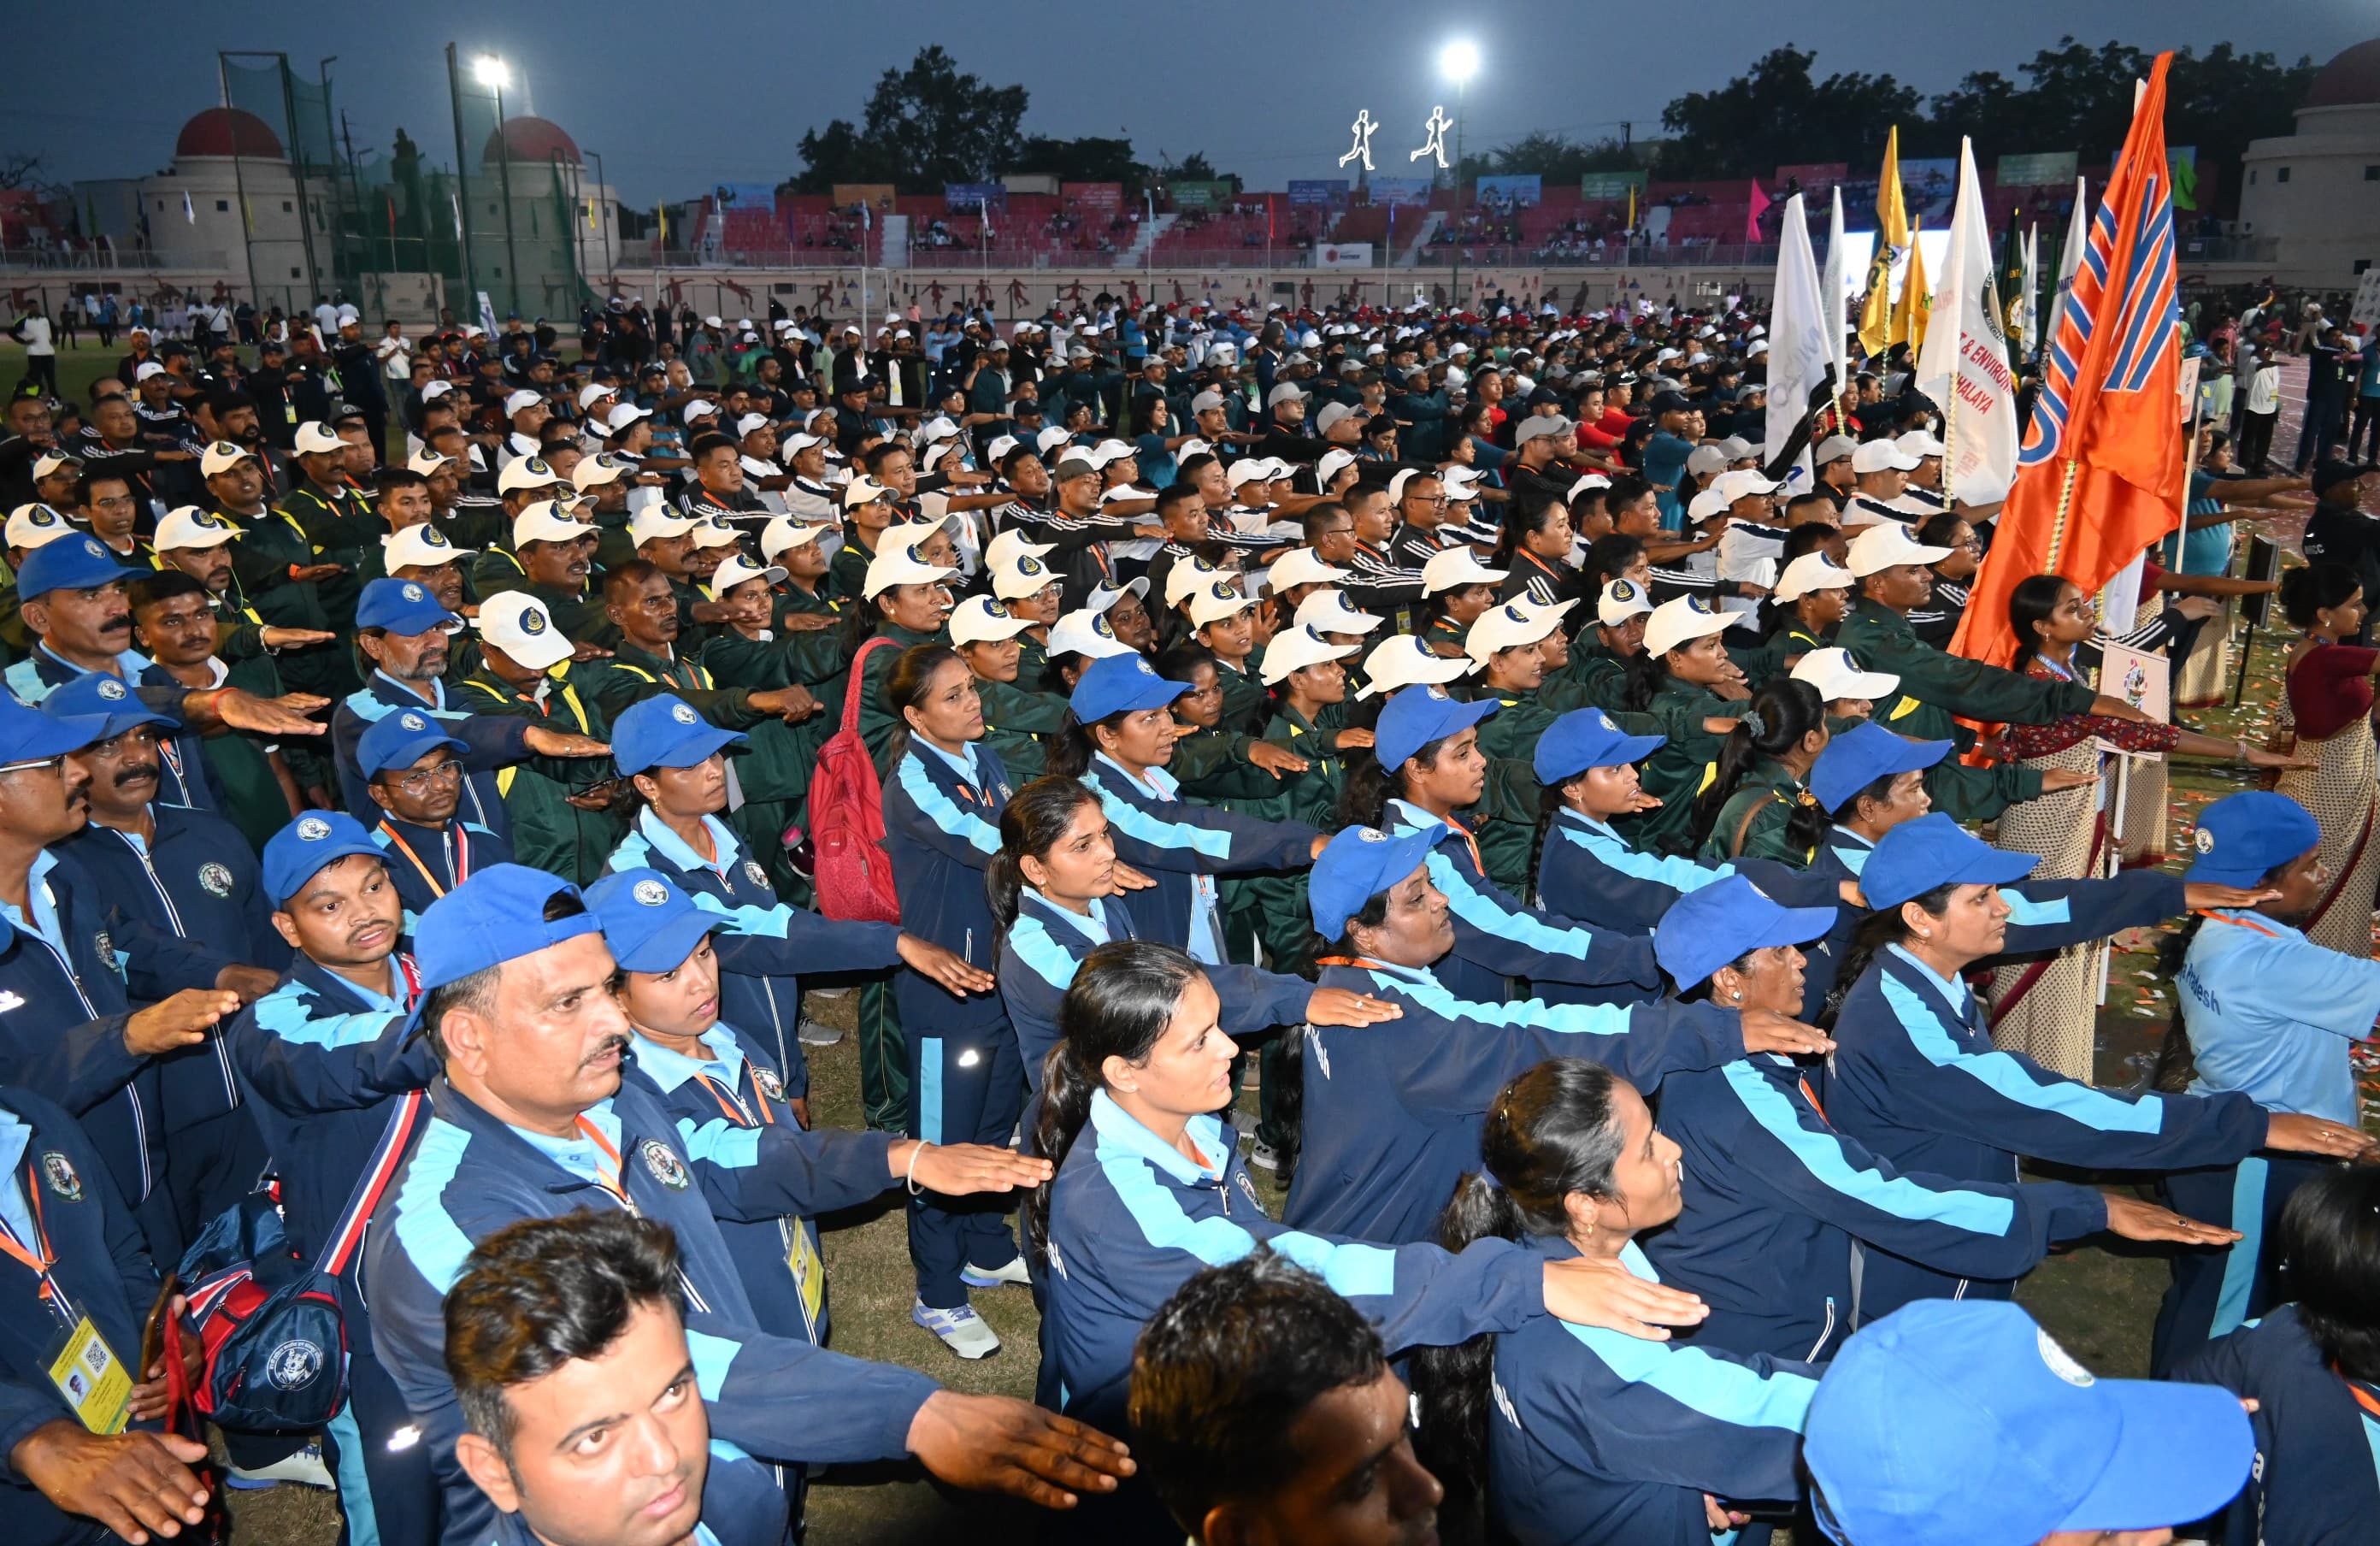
point(1355, 867)
point(76, 563)
point(1586, 739)
point(109, 699)
point(496, 916)
point(1707, 929)
point(1419, 715)
point(647, 921)
point(1934, 850)
point(30, 735)
point(297, 852)
point(403, 607)
point(401, 739)
point(665, 731)
point(1119, 684)
point(2242, 838)
point(1960, 1419)
point(1863, 754)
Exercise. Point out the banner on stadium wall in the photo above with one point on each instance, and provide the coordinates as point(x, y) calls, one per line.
point(876, 196)
point(1104, 198)
point(1510, 190)
point(1611, 185)
point(1203, 195)
point(1400, 190)
point(1928, 188)
point(1814, 178)
point(1344, 254)
point(2036, 171)
point(745, 196)
point(967, 197)
point(1318, 190)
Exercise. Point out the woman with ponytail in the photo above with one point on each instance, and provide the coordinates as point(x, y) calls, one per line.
point(1456, 589)
point(1150, 1188)
point(1509, 642)
point(1759, 802)
point(1576, 1433)
point(1685, 679)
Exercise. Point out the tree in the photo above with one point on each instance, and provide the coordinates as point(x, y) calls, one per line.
point(923, 127)
point(20, 171)
point(1778, 113)
point(1091, 159)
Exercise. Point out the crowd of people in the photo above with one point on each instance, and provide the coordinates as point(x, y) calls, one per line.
point(1496, 775)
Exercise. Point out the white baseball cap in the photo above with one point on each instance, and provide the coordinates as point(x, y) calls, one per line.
point(189, 526)
point(424, 461)
point(792, 446)
point(518, 623)
point(699, 408)
point(1621, 599)
point(1027, 575)
point(1296, 649)
point(1248, 469)
point(1742, 483)
point(1301, 566)
point(1330, 612)
point(35, 525)
point(863, 491)
point(657, 522)
point(419, 546)
point(1705, 504)
point(432, 391)
point(784, 533)
point(1507, 627)
point(1882, 455)
point(1009, 545)
point(1454, 569)
point(981, 620)
point(1103, 598)
point(893, 565)
point(1401, 661)
point(527, 472)
point(51, 461)
point(1832, 449)
point(593, 392)
point(1835, 674)
point(1461, 483)
point(1332, 462)
point(940, 427)
point(219, 455)
point(548, 520)
point(593, 472)
point(1887, 544)
point(750, 422)
point(734, 569)
point(1215, 601)
point(1676, 622)
point(1186, 577)
point(148, 369)
point(713, 532)
point(314, 437)
point(1812, 571)
point(1086, 633)
point(624, 414)
point(1592, 480)
point(515, 401)
point(1919, 443)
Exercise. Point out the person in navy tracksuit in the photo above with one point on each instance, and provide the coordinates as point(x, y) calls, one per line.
point(1868, 781)
point(1577, 1434)
point(413, 769)
point(1393, 1111)
point(1916, 1076)
point(322, 1061)
point(2310, 1368)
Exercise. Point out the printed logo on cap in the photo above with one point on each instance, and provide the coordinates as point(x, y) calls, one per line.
point(1603, 722)
point(312, 829)
point(1435, 691)
point(663, 1164)
point(649, 894)
point(532, 622)
point(414, 721)
point(683, 715)
point(1099, 626)
point(207, 520)
point(2061, 1363)
point(2204, 842)
point(43, 516)
point(217, 878)
point(1696, 604)
point(92, 548)
point(537, 465)
point(1513, 612)
point(112, 689)
point(411, 592)
point(994, 609)
point(1370, 834)
point(1623, 590)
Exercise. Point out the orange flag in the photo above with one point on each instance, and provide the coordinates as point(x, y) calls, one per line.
point(2100, 474)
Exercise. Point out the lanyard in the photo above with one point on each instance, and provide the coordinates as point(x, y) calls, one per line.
point(732, 1103)
point(2238, 923)
point(1812, 1096)
point(462, 856)
point(2364, 1399)
point(611, 1184)
point(41, 1258)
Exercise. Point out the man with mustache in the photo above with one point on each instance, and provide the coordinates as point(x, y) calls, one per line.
point(331, 513)
point(182, 909)
point(274, 567)
point(538, 1116)
point(198, 543)
point(406, 633)
point(414, 771)
point(324, 1060)
point(554, 552)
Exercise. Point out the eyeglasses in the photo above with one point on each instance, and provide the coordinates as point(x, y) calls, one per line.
point(57, 761)
point(419, 783)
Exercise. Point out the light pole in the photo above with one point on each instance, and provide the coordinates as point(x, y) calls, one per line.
point(604, 208)
point(1458, 61)
point(491, 72)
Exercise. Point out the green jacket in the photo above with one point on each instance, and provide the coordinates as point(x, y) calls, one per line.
point(1247, 702)
point(1965, 793)
point(1752, 823)
point(341, 528)
point(1015, 722)
point(877, 723)
point(1938, 688)
point(549, 833)
point(1681, 768)
point(1592, 678)
point(1508, 836)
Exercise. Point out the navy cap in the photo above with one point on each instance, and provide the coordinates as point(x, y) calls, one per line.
point(1934, 850)
point(647, 921)
point(1863, 754)
point(296, 853)
point(1586, 739)
point(1355, 867)
point(496, 916)
point(1707, 929)
point(2242, 838)
point(76, 563)
point(30, 735)
point(110, 698)
point(665, 731)
point(401, 739)
point(1119, 684)
point(1960, 1419)
point(1419, 715)
point(403, 607)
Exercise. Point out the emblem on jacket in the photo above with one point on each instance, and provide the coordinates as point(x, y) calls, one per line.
point(771, 1086)
point(217, 878)
point(754, 873)
point(666, 1167)
point(59, 1172)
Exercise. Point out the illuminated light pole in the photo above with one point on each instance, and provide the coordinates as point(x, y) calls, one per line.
point(1459, 61)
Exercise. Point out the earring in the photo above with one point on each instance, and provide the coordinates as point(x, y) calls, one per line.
point(1738, 995)
point(1924, 933)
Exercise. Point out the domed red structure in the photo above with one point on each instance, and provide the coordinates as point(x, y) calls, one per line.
point(528, 139)
point(2352, 79)
point(227, 131)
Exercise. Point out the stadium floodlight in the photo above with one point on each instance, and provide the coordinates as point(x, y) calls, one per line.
point(488, 70)
point(1459, 60)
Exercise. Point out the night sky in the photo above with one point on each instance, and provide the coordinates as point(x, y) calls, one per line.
point(722, 91)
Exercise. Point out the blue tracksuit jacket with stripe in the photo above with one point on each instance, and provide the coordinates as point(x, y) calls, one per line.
point(763, 945)
point(1590, 872)
point(1182, 845)
point(496, 741)
point(1596, 1436)
point(941, 826)
point(1495, 937)
point(2317, 1479)
point(1393, 1111)
point(1047, 944)
point(183, 776)
point(471, 1176)
point(1776, 1201)
point(1916, 1078)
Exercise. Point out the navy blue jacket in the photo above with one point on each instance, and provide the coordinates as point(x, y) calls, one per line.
point(183, 775)
point(1393, 1111)
point(941, 830)
point(1182, 845)
point(1588, 871)
point(2317, 1480)
point(447, 857)
point(105, 1272)
point(496, 741)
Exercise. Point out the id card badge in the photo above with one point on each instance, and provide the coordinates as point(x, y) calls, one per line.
point(94, 1381)
point(809, 1272)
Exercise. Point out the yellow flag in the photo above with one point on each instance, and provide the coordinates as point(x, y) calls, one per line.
point(1916, 299)
point(1875, 326)
point(1632, 207)
point(663, 209)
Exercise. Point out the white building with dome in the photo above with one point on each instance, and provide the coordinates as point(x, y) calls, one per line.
point(2315, 193)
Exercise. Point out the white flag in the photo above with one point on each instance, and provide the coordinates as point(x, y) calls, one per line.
point(189, 215)
point(2030, 299)
point(1798, 351)
point(1965, 365)
point(1833, 306)
point(458, 202)
point(2077, 236)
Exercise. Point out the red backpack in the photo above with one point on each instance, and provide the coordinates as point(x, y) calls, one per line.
point(850, 869)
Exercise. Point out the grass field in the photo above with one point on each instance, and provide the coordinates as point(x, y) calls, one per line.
point(2098, 1301)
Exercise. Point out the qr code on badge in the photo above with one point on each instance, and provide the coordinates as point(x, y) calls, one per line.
point(96, 1356)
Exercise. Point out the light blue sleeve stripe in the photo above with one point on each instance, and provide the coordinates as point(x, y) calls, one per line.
point(2026, 913)
point(1135, 823)
point(634, 853)
point(1483, 914)
point(2239, 1265)
point(1029, 937)
point(930, 1089)
point(2007, 1079)
point(1349, 1270)
point(1680, 875)
point(712, 1356)
point(720, 1142)
point(768, 922)
point(939, 808)
point(25, 681)
point(1719, 1390)
point(283, 1012)
point(1854, 859)
point(1562, 1019)
point(1976, 1212)
point(433, 1242)
point(1216, 1242)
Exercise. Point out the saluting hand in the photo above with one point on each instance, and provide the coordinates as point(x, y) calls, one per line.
point(1600, 1293)
point(962, 1169)
point(2202, 896)
point(180, 1021)
point(1274, 758)
point(290, 639)
point(948, 967)
point(548, 742)
point(2317, 1135)
point(1129, 879)
point(995, 1443)
point(1764, 1030)
point(2135, 1220)
point(1344, 1006)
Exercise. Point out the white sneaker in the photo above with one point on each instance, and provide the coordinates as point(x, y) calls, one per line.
point(817, 1033)
point(1263, 1155)
point(303, 1467)
point(1013, 1274)
point(962, 1330)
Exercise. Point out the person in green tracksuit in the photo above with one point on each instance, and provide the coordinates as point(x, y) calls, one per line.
point(990, 637)
point(1509, 641)
point(1759, 804)
point(1223, 619)
point(567, 815)
point(1684, 679)
point(1965, 792)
